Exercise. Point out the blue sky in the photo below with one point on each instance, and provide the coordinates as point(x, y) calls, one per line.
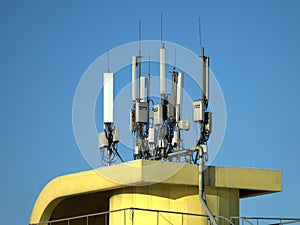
point(45, 47)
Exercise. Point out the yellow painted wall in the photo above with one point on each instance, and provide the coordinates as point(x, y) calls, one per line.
point(178, 198)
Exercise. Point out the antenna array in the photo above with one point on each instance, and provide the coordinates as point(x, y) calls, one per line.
point(157, 128)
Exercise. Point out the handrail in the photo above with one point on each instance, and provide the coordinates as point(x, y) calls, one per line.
point(264, 218)
point(79, 217)
point(230, 221)
point(281, 220)
point(225, 219)
point(167, 211)
point(243, 219)
point(118, 210)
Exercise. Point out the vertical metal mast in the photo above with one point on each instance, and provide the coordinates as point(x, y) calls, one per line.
point(162, 65)
point(139, 62)
point(202, 56)
point(133, 79)
point(148, 83)
point(205, 124)
point(203, 74)
point(148, 97)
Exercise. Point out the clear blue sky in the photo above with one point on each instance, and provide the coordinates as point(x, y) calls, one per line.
point(45, 47)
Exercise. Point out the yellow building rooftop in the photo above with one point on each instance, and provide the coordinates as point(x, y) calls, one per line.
point(150, 185)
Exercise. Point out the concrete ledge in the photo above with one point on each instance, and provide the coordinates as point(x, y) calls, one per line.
point(250, 181)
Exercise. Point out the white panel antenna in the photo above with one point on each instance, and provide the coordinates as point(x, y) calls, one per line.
point(163, 71)
point(179, 96)
point(143, 84)
point(207, 77)
point(108, 98)
point(133, 78)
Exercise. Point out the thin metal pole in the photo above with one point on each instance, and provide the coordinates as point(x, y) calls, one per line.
point(203, 74)
point(108, 61)
point(139, 61)
point(132, 216)
point(161, 28)
point(201, 188)
point(124, 217)
point(199, 23)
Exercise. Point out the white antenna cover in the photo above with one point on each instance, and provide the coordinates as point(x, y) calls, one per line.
point(142, 88)
point(207, 78)
point(108, 98)
point(163, 71)
point(179, 96)
point(133, 78)
point(179, 88)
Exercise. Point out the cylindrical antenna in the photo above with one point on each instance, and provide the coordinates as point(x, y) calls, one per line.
point(148, 95)
point(207, 78)
point(205, 69)
point(203, 85)
point(174, 93)
point(179, 96)
point(163, 71)
point(133, 78)
point(162, 63)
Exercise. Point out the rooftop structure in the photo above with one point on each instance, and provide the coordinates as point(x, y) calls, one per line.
point(175, 197)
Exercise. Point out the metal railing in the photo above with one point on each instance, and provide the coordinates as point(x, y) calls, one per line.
point(162, 217)
point(264, 220)
point(165, 217)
